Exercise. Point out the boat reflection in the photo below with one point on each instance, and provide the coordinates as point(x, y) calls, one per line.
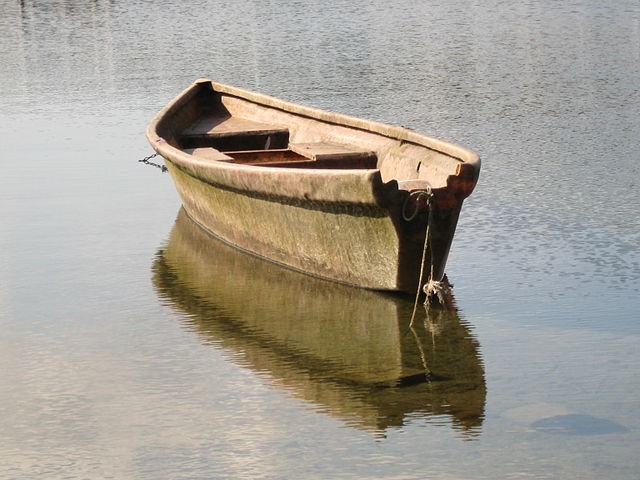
point(350, 352)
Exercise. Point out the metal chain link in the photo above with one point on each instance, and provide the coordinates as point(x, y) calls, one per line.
point(146, 161)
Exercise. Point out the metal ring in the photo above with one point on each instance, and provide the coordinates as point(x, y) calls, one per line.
point(417, 194)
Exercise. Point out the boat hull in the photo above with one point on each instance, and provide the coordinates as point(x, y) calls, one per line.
point(353, 244)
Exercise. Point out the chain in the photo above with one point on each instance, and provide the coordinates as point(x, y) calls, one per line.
point(146, 161)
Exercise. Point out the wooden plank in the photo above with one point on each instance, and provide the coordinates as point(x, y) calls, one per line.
point(261, 157)
point(218, 126)
point(330, 151)
point(208, 153)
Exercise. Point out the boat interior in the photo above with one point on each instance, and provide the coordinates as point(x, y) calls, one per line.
point(224, 127)
point(254, 143)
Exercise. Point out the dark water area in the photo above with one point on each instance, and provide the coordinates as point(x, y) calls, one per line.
point(134, 346)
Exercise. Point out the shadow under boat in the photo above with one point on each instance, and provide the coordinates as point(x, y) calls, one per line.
point(350, 352)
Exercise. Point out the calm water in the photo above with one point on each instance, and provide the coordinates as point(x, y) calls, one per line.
point(135, 347)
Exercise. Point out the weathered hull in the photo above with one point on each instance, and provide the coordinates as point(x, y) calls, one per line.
point(355, 244)
point(355, 220)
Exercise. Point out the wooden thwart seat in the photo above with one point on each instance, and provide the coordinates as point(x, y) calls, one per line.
point(330, 151)
point(333, 155)
point(224, 126)
point(226, 133)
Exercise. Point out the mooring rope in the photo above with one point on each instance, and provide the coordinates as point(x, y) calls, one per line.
point(425, 247)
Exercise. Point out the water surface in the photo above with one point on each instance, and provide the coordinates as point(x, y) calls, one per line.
point(134, 347)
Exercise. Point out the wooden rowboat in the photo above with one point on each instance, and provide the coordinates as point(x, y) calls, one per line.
point(349, 200)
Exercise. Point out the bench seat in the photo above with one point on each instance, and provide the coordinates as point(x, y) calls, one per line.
point(330, 151)
point(233, 133)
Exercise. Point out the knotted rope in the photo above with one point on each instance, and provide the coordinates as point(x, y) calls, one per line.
point(432, 285)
